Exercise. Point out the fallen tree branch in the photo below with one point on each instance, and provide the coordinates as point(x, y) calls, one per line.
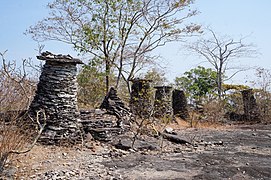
point(174, 138)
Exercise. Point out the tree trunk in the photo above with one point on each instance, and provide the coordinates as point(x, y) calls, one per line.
point(219, 80)
point(107, 74)
point(219, 85)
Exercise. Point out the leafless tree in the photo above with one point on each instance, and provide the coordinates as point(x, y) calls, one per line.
point(16, 92)
point(220, 52)
point(15, 84)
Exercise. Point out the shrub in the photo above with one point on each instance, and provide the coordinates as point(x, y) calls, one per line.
point(16, 93)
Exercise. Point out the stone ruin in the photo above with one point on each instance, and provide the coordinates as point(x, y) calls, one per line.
point(179, 103)
point(167, 101)
point(141, 95)
point(100, 125)
point(112, 119)
point(163, 102)
point(56, 95)
point(251, 109)
point(114, 106)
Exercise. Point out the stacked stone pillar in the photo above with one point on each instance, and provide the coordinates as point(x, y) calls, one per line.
point(251, 109)
point(163, 102)
point(179, 103)
point(56, 95)
point(140, 102)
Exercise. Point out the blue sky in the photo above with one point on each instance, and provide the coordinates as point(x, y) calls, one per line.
point(235, 18)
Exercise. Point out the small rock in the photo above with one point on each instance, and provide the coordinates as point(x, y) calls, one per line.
point(33, 176)
point(169, 130)
point(72, 173)
point(132, 150)
point(219, 143)
point(177, 150)
point(105, 156)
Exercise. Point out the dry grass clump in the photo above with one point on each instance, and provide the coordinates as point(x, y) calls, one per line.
point(264, 102)
point(16, 92)
point(14, 138)
point(214, 111)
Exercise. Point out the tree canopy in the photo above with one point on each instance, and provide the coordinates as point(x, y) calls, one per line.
point(198, 83)
point(120, 34)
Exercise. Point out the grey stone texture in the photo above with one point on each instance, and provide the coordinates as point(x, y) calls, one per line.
point(163, 102)
point(251, 109)
point(115, 106)
point(141, 95)
point(56, 95)
point(179, 104)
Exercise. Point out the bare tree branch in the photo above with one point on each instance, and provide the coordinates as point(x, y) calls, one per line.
point(220, 51)
point(120, 34)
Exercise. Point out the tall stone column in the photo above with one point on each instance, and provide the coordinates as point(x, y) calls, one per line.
point(179, 103)
point(140, 102)
point(251, 109)
point(56, 95)
point(163, 101)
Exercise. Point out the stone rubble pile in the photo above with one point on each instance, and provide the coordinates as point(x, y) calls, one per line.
point(101, 125)
point(114, 105)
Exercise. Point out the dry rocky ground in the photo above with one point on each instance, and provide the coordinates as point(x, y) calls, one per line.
point(228, 152)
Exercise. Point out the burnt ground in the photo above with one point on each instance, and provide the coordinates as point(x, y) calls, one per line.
point(229, 152)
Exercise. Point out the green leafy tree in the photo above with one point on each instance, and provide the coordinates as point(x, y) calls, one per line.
point(198, 83)
point(91, 87)
point(119, 34)
point(157, 76)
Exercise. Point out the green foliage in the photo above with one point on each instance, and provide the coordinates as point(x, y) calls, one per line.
point(238, 87)
point(157, 76)
point(233, 98)
point(91, 86)
point(198, 83)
